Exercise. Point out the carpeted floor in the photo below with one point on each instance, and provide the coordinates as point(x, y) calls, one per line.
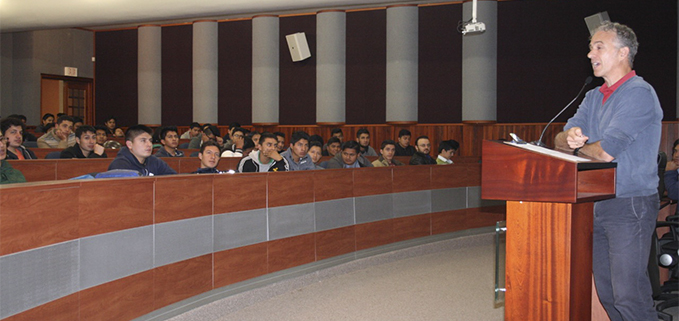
point(453, 282)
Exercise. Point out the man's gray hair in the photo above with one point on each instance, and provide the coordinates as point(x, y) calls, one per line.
point(625, 37)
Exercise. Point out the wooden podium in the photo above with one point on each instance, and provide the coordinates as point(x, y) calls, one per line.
point(549, 228)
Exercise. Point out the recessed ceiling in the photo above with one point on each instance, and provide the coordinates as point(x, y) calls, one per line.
point(22, 15)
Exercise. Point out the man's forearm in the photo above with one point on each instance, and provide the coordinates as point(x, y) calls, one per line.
point(560, 141)
point(595, 151)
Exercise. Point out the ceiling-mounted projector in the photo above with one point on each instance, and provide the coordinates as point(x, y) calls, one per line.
point(474, 27)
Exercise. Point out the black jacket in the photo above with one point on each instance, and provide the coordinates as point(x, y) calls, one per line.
point(422, 159)
point(75, 152)
point(152, 165)
point(28, 154)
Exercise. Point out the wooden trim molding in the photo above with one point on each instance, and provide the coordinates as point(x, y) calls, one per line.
point(479, 122)
point(401, 123)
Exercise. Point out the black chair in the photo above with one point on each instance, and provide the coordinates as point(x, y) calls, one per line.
point(53, 155)
point(183, 146)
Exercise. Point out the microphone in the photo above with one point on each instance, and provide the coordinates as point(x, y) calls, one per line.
point(539, 141)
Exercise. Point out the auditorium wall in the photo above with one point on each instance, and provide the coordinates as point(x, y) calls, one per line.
point(26, 55)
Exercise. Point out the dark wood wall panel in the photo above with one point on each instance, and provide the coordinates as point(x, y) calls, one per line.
point(440, 65)
point(297, 79)
point(542, 53)
point(235, 72)
point(116, 76)
point(177, 75)
point(366, 67)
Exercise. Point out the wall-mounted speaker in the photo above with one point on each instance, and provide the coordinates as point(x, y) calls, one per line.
point(595, 21)
point(299, 48)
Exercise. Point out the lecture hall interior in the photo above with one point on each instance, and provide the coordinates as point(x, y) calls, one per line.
point(154, 248)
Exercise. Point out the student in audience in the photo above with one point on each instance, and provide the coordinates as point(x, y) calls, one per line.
point(110, 124)
point(61, 137)
point(403, 147)
point(210, 132)
point(315, 153)
point(422, 149)
point(46, 119)
point(77, 122)
point(672, 174)
point(387, 151)
point(8, 174)
point(137, 154)
point(349, 157)
point(237, 136)
point(266, 159)
point(280, 137)
point(85, 145)
point(246, 149)
point(13, 129)
point(297, 154)
point(337, 132)
point(333, 147)
point(28, 137)
point(363, 139)
point(254, 135)
point(227, 144)
point(194, 131)
point(209, 158)
point(119, 132)
point(170, 141)
point(447, 149)
point(101, 134)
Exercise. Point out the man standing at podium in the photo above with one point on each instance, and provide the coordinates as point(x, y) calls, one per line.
point(620, 121)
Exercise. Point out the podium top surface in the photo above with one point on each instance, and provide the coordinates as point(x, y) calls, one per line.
point(531, 173)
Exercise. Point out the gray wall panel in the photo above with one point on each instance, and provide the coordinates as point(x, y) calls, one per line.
point(35, 277)
point(334, 213)
point(474, 198)
point(287, 221)
point(240, 229)
point(115, 255)
point(181, 240)
point(448, 199)
point(374, 208)
point(412, 203)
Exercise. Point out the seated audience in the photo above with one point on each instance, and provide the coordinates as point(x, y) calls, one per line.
point(194, 131)
point(137, 154)
point(210, 132)
point(248, 147)
point(209, 158)
point(61, 137)
point(28, 137)
point(332, 147)
point(119, 132)
point(337, 132)
point(46, 119)
point(363, 139)
point(227, 144)
point(77, 122)
point(254, 135)
point(349, 157)
point(281, 141)
point(422, 149)
point(387, 151)
point(266, 159)
point(237, 136)
point(447, 149)
point(315, 153)
point(8, 174)
point(297, 154)
point(672, 174)
point(13, 131)
point(110, 124)
point(403, 148)
point(101, 134)
point(85, 145)
point(169, 139)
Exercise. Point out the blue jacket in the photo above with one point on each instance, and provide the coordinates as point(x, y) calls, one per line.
point(152, 165)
